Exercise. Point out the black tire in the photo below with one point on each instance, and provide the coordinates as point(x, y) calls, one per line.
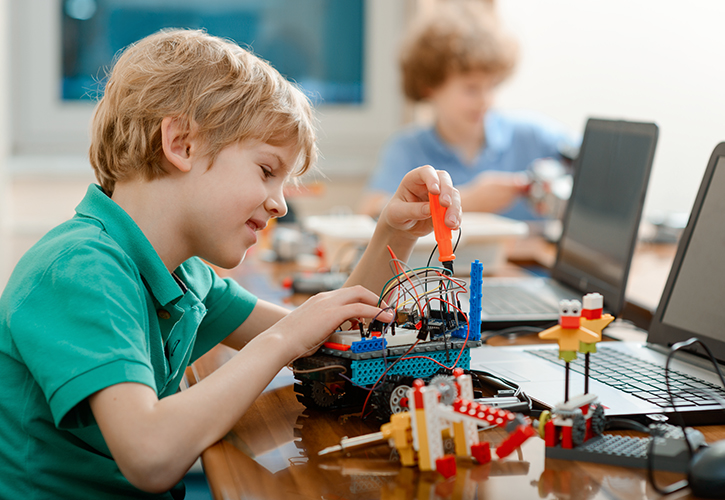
point(578, 429)
point(388, 398)
point(599, 421)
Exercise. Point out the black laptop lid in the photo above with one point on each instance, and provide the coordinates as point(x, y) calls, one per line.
point(602, 216)
point(693, 302)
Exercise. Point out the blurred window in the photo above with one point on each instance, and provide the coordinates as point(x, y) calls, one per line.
point(316, 43)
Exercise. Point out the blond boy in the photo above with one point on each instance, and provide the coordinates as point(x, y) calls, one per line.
point(192, 144)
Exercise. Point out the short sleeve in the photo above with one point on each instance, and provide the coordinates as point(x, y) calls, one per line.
point(81, 328)
point(228, 304)
point(395, 161)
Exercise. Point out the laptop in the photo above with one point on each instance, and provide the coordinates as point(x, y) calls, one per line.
point(599, 233)
point(691, 305)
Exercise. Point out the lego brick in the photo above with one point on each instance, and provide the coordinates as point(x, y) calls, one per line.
point(475, 296)
point(367, 372)
point(368, 345)
point(670, 452)
point(446, 466)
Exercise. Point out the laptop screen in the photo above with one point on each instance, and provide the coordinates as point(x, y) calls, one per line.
point(602, 218)
point(692, 303)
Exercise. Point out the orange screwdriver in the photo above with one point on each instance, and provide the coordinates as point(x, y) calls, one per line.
point(442, 233)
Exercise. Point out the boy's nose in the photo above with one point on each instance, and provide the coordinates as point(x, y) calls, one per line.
point(276, 205)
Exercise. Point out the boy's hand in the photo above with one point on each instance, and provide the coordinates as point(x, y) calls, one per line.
point(494, 191)
point(409, 210)
point(307, 327)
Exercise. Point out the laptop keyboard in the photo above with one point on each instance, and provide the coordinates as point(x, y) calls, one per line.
point(513, 300)
point(640, 378)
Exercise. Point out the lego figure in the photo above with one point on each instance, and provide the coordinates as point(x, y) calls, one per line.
point(578, 330)
point(592, 319)
point(444, 406)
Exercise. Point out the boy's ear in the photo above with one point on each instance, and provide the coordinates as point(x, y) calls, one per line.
point(176, 142)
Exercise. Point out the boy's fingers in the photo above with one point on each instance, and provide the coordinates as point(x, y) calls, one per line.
point(361, 310)
point(431, 178)
point(414, 211)
point(359, 293)
point(451, 199)
point(422, 180)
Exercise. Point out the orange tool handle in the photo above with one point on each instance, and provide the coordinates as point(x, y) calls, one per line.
point(442, 232)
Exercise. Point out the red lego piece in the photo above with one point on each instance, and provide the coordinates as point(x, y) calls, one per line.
point(335, 345)
point(481, 452)
point(592, 313)
point(418, 384)
point(570, 321)
point(446, 465)
point(516, 439)
point(566, 441)
point(550, 433)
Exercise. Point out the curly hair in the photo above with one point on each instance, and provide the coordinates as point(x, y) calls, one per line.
point(225, 92)
point(454, 37)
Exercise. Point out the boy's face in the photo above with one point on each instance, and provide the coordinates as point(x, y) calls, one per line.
point(463, 99)
point(235, 198)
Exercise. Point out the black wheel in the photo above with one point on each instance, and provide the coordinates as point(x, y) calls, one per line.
point(391, 397)
point(321, 395)
point(578, 428)
point(314, 394)
point(599, 421)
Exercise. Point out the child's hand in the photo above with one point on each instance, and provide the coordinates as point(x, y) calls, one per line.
point(308, 326)
point(494, 191)
point(409, 210)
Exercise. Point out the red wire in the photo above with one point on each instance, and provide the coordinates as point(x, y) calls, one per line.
point(417, 299)
point(397, 264)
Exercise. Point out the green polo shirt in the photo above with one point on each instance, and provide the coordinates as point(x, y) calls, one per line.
point(89, 306)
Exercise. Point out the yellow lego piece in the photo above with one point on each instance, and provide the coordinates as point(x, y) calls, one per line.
point(569, 338)
point(597, 325)
point(459, 440)
point(424, 462)
point(400, 435)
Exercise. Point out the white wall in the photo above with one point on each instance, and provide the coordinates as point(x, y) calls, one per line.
point(649, 60)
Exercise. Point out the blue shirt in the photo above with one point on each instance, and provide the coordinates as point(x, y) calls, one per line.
point(513, 142)
point(89, 306)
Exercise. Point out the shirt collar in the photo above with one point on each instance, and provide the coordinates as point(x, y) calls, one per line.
point(124, 231)
point(498, 136)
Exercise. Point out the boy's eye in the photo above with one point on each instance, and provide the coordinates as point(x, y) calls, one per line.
point(267, 171)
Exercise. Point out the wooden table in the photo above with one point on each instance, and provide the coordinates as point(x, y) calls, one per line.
point(272, 451)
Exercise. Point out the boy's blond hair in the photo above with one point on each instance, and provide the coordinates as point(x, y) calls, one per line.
point(455, 36)
point(220, 90)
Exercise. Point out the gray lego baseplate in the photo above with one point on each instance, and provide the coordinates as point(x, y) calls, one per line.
point(670, 450)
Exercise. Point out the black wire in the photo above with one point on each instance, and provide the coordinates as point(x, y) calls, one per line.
point(672, 488)
point(455, 247)
point(484, 377)
point(622, 423)
point(681, 421)
point(513, 330)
